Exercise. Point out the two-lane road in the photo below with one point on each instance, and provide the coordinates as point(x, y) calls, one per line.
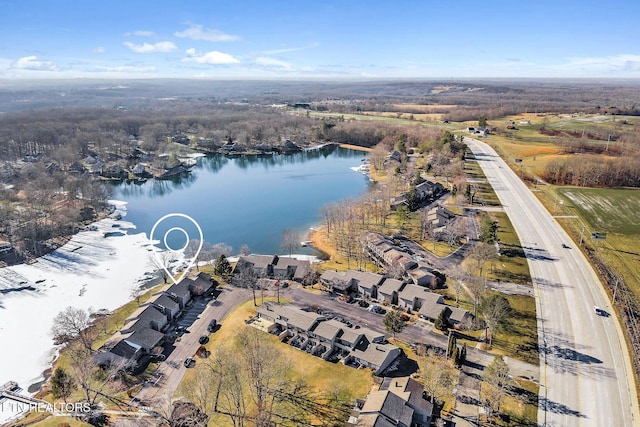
point(586, 375)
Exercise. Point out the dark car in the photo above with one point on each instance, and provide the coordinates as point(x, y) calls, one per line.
point(189, 362)
point(212, 325)
point(203, 339)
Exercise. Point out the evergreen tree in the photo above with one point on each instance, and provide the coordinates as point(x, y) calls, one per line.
point(62, 384)
point(223, 268)
point(456, 356)
point(393, 322)
point(463, 355)
point(441, 323)
point(452, 344)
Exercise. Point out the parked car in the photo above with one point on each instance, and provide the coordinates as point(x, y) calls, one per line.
point(363, 303)
point(189, 362)
point(212, 325)
point(203, 339)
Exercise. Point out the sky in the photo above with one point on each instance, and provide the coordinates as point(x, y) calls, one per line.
point(346, 39)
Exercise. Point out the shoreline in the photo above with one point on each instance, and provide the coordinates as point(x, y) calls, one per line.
point(90, 271)
point(355, 147)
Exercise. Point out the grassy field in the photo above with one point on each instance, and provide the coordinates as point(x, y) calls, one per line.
point(319, 374)
point(615, 212)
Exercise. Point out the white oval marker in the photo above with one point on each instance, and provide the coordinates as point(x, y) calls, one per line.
point(157, 251)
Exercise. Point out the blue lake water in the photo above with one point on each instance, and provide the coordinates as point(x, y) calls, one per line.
point(247, 200)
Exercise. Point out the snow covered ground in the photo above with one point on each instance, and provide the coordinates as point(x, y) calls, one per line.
point(91, 271)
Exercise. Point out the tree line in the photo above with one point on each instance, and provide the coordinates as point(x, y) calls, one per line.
point(594, 171)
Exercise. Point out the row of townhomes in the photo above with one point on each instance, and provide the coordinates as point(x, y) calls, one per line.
point(327, 338)
point(406, 296)
point(398, 402)
point(274, 266)
point(386, 254)
point(144, 331)
point(423, 193)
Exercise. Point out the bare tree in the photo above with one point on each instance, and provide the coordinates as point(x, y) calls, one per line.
point(482, 254)
point(495, 310)
point(94, 379)
point(459, 276)
point(290, 239)
point(496, 383)
point(478, 290)
point(72, 323)
point(437, 378)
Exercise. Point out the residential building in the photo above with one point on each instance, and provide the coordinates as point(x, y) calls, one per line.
point(145, 317)
point(180, 292)
point(424, 276)
point(166, 305)
point(399, 402)
point(411, 297)
point(363, 282)
point(388, 291)
point(274, 266)
point(324, 337)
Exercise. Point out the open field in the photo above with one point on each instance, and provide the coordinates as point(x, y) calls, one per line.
point(536, 148)
point(615, 212)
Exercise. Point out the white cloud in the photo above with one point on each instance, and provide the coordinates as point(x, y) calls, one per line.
point(195, 32)
point(151, 48)
point(33, 63)
point(99, 49)
point(212, 57)
point(290, 49)
point(126, 69)
point(140, 33)
point(272, 62)
point(614, 63)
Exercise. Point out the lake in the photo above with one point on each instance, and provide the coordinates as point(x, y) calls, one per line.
point(247, 200)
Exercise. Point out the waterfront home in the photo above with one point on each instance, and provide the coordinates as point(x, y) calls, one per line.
point(166, 305)
point(145, 317)
point(180, 292)
point(274, 266)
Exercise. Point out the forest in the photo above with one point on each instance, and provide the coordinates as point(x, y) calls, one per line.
point(62, 141)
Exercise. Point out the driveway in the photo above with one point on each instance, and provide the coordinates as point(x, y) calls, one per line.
point(166, 379)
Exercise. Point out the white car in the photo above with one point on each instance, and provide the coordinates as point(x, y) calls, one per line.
point(599, 311)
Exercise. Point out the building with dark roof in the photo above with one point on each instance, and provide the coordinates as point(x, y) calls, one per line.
point(399, 402)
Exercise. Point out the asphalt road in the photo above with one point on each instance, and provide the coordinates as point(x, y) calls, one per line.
point(586, 375)
point(159, 391)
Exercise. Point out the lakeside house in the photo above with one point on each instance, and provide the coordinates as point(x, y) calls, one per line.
point(274, 266)
point(143, 332)
point(327, 338)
